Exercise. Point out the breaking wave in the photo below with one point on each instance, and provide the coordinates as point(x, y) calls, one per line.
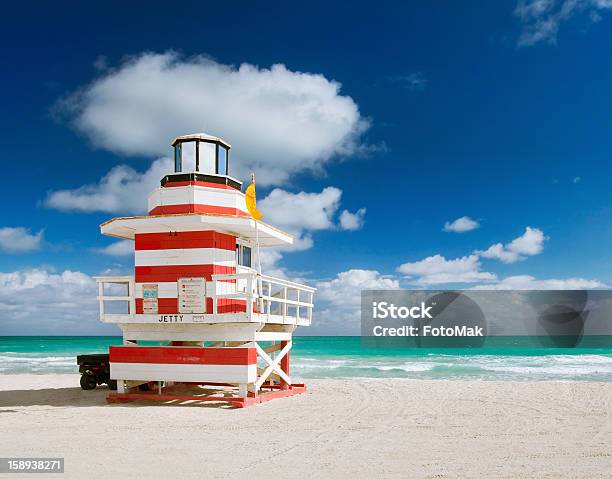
point(482, 367)
point(343, 357)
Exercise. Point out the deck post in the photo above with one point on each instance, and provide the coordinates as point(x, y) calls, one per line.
point(259, 293)
point(284, 364)
point(310, 300)
point(213, 296)
point(101, 299)
point(242, 390)
point(132, 301)
point(250, 298)
point(284, 304)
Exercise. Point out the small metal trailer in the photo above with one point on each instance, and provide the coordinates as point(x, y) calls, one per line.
point(95, 369)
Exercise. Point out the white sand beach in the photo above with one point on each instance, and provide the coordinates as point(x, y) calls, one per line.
point(340, 428)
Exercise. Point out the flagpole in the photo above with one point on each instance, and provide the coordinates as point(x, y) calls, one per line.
point(256, 234)
point(257, 244)
point(259, 283)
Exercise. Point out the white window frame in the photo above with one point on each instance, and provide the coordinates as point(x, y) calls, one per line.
point(241, 243)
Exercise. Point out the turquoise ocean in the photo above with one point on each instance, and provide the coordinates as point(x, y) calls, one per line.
point(504, 358)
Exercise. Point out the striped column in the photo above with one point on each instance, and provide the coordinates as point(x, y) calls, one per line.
point(153, 363)
point(162, 258)
point(197, 197)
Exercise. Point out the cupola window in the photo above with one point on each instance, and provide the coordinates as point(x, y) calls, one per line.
point(201, 153)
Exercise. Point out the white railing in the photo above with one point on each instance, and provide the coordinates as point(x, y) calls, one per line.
point(278, 300)
point(266, 298)
point(127, 281)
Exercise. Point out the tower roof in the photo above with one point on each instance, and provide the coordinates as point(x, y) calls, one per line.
point(201, 136)
point(241, 226)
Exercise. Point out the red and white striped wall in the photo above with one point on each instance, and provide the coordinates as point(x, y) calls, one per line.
point(197, 197)
point(163, 258)
point(179, 363)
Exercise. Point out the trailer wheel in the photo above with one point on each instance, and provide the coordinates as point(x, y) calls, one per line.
point(112, 384)
point(88, 381)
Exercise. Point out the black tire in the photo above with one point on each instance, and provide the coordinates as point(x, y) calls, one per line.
point(112, 384)
point(88, 381)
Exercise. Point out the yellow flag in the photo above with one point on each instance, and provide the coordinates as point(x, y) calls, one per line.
point(251, 200)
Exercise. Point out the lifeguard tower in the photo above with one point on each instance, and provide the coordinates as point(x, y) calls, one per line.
point(200, 322)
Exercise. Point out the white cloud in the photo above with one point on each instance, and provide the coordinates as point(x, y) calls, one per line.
point(303, 213)
point(576, 179)
point(270, 263)
point(542, 19)
point(121, 190)
point(352, 221)
point(461, 225)
point(279, 121)
point(38, 301)
point(530, 243)
point(529, 282)
point(118, 248)
point(344, 291)
point(19, 240)
point(338, 300)
point(439, 270)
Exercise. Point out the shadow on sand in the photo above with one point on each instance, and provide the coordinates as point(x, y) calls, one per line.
point(76, 397)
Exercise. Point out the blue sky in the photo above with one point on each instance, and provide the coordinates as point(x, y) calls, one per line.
point(382, 125)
